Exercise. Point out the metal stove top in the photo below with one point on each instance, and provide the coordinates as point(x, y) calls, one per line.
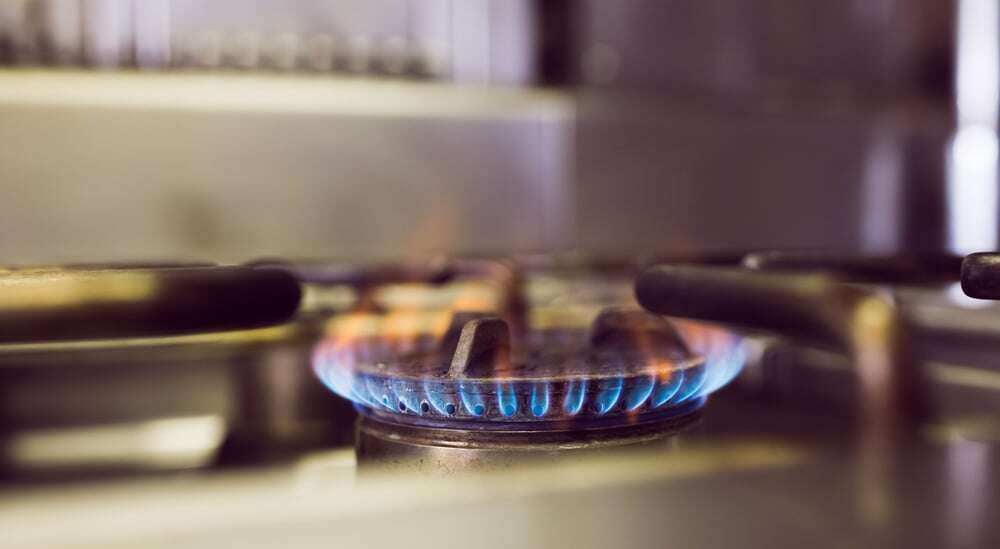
point(861, 408)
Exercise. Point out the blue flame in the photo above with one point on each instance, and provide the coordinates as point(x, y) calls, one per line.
point(725, 365)
point(610, 391)
point(325, 366)
point(507, 399)
point(346, 370)
point(408, 400)
point(540, 399)
point(576, 393)
point(693, 384)
point(666, 390)
point(439, 400)
point(471, 399)
point(359, 393)
point(639, 393)
point(378, 392)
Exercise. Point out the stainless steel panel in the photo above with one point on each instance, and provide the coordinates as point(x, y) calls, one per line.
point(657, 175)
point(126, 166)
point(752, 49)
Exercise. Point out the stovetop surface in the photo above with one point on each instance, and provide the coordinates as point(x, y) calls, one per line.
point(235, 435)
point(753, 475)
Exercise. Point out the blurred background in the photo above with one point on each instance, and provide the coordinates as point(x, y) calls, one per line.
point(238, 129)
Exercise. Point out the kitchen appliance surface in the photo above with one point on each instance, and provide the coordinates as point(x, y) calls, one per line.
point(533, 384)
point(495, 273)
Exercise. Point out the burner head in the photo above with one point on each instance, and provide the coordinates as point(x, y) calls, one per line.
point(471, 371)
point(384, 443)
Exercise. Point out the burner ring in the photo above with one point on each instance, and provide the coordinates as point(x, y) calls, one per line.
point(383, 443)
point(495, 403)
point(535, 432)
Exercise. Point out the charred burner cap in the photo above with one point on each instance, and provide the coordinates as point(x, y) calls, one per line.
point(483, 348)
point(626, 330)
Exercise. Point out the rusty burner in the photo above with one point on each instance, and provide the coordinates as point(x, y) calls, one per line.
point(458, 387)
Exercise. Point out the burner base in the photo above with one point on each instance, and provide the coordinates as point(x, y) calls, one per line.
point(382, 444)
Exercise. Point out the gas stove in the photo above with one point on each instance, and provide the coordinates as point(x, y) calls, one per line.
point(818, 398)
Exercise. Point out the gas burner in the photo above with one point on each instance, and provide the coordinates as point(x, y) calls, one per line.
point(572, 368)
point(630, 380)
point(509, 361)
point(630, 365)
